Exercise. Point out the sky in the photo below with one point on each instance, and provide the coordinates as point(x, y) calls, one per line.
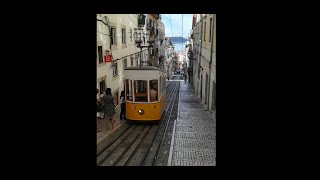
point(176, 21)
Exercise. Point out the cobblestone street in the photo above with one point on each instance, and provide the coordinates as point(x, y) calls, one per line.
point(194, 140)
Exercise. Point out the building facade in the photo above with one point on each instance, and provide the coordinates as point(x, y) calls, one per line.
point(161, 44)
point(169, 53)
point(152, 25)
point(204, 58)
point(115, 37)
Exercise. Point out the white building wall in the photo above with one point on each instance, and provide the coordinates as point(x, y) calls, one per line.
point(205, 59)
point(118, 51)
point(102, 40)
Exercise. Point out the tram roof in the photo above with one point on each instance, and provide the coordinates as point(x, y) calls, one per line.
point(142, 68)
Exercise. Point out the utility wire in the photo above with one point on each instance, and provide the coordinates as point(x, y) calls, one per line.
point(115, 36)
point(131, 19)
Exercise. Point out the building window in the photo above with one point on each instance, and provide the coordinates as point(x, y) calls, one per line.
point(115, 69)
point(102, 86)
point(123, 32)
point(125, 62)
point(100, 54)
point(204, 34)
point(149, 24)
point(135, 32)
point(131, 35)
point(141, 20)
point(113, 36)
point(131, 59)
point(211, 27)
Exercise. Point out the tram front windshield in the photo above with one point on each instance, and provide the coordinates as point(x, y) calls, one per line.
point(140, 91)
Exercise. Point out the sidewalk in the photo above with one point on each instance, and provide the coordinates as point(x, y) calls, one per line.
point(194, 134)
point(102, 131)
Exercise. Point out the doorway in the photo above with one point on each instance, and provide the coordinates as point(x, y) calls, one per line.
point(213, 104)
point(201, 87)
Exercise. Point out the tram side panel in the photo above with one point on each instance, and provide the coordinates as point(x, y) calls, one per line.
point(163, 103)
point(148, 111)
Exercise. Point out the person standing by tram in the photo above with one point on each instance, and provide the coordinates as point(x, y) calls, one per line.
point(189, 74)
point(109, 109)
point(123, 106)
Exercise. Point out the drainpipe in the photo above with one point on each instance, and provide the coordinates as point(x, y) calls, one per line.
point(208, 95)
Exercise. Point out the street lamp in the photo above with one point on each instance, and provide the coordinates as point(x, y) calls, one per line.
point(138, 36)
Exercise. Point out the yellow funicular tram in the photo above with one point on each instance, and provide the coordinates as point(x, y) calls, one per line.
point(145, 93)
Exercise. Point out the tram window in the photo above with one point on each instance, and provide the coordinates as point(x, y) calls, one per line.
point(160, 85)
point(128, 90)
point(153, 90)
point(140, 91)
point(164, 85)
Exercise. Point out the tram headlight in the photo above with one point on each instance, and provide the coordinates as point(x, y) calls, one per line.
point(141, 111)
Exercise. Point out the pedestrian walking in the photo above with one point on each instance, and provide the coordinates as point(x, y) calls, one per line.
point(185, 75)
point(109, 109)
point(189, 74)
